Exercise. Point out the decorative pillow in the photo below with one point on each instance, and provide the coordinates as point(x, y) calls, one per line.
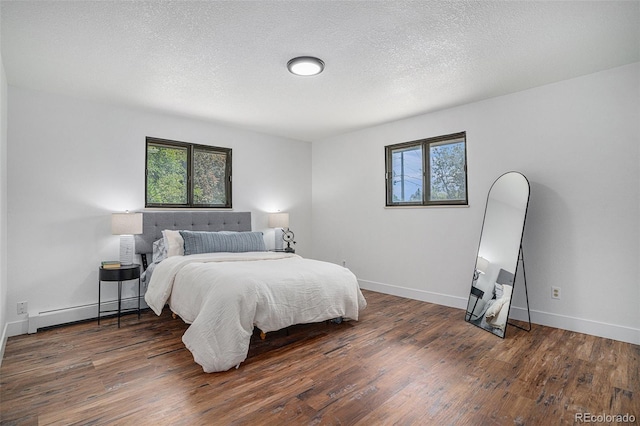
point(499, 291)
point(159, 250)
point(213, 242)
point(173, 242)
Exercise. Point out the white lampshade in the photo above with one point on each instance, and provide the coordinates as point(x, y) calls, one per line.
point(482, 265)
point(126, 223)
point(279, 220)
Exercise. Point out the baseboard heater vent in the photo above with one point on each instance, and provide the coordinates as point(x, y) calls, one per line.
point(46, 319)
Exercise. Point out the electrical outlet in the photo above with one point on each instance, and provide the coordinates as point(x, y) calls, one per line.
point(555, 292)
point(22, 308)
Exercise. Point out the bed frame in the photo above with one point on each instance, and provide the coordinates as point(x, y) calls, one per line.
point(153, 223)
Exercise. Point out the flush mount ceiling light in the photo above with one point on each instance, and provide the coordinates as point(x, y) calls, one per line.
point(305, 65)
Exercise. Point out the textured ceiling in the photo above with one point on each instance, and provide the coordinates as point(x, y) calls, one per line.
point(385, 60)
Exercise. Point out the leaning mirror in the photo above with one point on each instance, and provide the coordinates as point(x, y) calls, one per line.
point(499, 253)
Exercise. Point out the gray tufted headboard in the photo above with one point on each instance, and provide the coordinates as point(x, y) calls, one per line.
point(153, 223)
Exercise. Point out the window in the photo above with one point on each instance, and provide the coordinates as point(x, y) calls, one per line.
point(427, 172)
point(182, 174)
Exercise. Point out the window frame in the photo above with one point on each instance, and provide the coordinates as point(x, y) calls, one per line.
point(425, 145)
point(191, 148)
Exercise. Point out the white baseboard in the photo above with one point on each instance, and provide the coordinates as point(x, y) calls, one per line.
point(411, 293)
point(3, 342)
point(579, 325)
point(37, 320)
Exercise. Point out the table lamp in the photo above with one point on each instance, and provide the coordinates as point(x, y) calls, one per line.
point(126, 225)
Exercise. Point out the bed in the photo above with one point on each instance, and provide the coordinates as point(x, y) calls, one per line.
point(225, 283)
point(491, 309)
point(498, 309)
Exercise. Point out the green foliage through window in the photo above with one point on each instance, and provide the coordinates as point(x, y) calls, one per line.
point(209, 177)
point(427, 172)
point(180, 174)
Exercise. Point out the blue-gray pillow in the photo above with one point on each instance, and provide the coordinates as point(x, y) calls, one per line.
point(213, 242)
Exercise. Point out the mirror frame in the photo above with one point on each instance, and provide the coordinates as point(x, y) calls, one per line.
point(519, 258)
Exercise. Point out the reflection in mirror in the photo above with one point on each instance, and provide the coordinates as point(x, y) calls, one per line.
point(498, 253)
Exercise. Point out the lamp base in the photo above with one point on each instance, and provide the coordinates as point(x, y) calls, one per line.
point(126, 249)
point(278, 239)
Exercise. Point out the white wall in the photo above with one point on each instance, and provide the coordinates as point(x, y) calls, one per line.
point(577, 141)
point(74, 162)
point(3, 208)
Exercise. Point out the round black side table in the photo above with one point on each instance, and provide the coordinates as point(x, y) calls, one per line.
point(119, 274)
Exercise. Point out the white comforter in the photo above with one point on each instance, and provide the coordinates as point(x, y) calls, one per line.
point(223, 295)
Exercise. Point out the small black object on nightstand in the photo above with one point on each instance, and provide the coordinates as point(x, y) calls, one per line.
point(119, 274)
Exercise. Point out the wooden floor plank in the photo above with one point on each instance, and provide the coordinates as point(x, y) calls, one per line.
point(404, 362)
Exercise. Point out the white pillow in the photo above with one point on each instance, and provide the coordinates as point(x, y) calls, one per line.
point(173, 242)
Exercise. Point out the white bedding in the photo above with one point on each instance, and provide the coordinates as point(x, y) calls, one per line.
point(223, 295)
point(498, 312)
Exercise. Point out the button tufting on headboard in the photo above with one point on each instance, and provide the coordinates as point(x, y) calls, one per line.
point(154, 223)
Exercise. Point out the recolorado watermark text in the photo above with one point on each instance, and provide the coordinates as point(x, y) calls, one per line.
point(604, 418)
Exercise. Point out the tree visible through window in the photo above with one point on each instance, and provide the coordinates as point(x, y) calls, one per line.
point(180, 174)
point(427, 172)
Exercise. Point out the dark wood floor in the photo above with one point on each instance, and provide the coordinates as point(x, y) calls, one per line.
point(405, 362)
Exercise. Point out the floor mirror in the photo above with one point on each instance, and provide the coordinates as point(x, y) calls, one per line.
point(499, 255)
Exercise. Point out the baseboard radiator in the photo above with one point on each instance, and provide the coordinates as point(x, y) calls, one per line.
point(38, 320)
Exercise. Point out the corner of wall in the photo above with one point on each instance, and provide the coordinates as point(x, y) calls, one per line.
point(3, 208)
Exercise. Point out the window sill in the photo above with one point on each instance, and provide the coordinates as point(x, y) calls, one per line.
point(437, 206)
